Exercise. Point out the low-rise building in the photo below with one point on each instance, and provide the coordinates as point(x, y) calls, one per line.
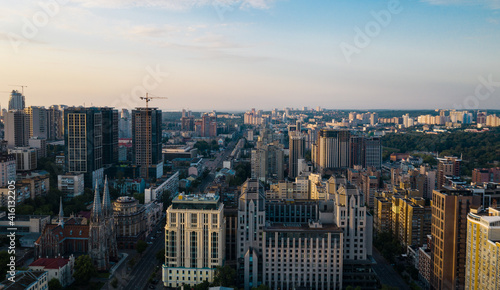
point(71, 184)
point(59, 268)
point(27, 280)
point(25, 224)
point(7, 169)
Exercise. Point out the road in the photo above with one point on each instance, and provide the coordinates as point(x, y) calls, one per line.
point(212, 165)
point(386, 272)
point(145, 266)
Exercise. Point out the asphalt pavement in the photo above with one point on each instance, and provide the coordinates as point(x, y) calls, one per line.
point(386, 272)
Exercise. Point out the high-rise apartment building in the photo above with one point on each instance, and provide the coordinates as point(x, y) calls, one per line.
point(373, 152)
point(450, 208)
point(38, 121)
point(55, 123)
point(267, 162)
point(146, 141)
point(26, 158)
point(16, 129)
point(297, 147)
point(16, 101)
point(448, 168)
point(482, 270)
point(124, 125)
point(195, 233)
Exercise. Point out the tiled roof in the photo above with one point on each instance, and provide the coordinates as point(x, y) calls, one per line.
point(50, 263)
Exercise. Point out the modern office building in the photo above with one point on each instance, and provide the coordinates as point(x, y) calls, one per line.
point(146, 141)
point(373, 152)
point(83, 135)
point(16, 101)
point(195, 233)
point(16, 129)
point(450, 208)
point(109, 136)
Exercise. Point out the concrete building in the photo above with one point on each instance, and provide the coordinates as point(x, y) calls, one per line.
point(267, 161)
point(7, 169)
point(40, 144)
point(305, 256)
point(38, 121)
point(482, 270)
point(482, 175)
point(146, 143)
point(71, 185)
point(16, 129)
point(16, 101)
point(130, 221)
point(251, 207)
point(296, 152)
point(55, 121)
point(25, 224)
point(382, 217)
point(448, 167)
point(26, 158)
point(27, 280)
point(168, 183)
point(195, 234)
point(450, 208)
point(59, 268)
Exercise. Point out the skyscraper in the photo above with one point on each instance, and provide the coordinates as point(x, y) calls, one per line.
point(333, 149)
point(297, 151)
point(449, 236)
point(109, 136)
point(17, 129)
point(83, 136)
point(373, 152)
point(146, 141)
point(125, 125)
point(16, 101)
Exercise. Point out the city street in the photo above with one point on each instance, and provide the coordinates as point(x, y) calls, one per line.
point(386, 272)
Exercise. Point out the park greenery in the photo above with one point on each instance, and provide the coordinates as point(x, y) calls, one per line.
point(477, 149)
point(84, 270)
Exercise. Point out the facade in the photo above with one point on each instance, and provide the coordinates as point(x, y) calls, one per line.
point(297, 151)
point(71, 185)
point(130, 222)
point(59, 268)
point(195, 234)
point(146, 141)
point(55, 121)
point(305, 256)
point(109, 136)
point(16, 101)
point(27, 280)
point(373, 152)
point(26, 158)
point(40, 144)
point(83, 136)
point(168, 183)
point(448, 167)
point(16, 129)
point(251, 207)
point(449, 236)
point(7, 169)
point(25, 224)
point(33, 185)
point(382, 217)
point(414, 222)
point(482, 175)
point(267, 162)
point(483, 249)
point(38, 121)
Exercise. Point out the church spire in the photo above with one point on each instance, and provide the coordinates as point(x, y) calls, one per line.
point(96, 213)
point(61, 213)
point(106, 200)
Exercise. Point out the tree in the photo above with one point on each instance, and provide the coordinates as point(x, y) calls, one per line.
point(141, 246)
point(84, 270)
point(160, 255)
point(54, 284)
point(224, 276)
point(261, 287)
point(114, 283)
point(202, 286)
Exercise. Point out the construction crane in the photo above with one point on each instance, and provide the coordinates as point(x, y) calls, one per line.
point(148, 99)
point(22, 88)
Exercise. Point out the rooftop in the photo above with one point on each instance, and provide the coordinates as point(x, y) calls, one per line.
point(50, 263)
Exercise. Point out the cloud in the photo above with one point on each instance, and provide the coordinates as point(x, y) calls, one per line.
point(176, 5)
point(491, 4)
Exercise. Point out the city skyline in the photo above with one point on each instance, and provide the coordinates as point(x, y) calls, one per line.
point(235, 55)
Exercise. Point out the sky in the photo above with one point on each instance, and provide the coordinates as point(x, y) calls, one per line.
point(224, 55)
